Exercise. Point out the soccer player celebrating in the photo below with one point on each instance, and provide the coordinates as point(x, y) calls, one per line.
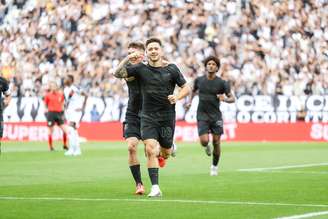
point(157, 82)
point(5, 98)
point(132, 118)
point(75, 105)
point(212, 90)
point(54, 102)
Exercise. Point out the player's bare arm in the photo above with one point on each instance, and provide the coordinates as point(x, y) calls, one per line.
point(229, 98)
point(120, 71)
point(191, 96)
point(185, 91)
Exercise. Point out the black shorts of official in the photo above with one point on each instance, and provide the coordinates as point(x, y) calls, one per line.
point(161, 130)
point(131, 127)
point(206, 127)
point(55, 118)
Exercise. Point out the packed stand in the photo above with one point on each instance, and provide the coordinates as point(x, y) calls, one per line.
point(266, 47)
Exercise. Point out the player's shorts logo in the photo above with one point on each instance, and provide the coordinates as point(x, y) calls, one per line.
point(219, 123)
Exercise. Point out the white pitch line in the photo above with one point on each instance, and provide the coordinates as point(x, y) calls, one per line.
point(161, 200)
point(313, 214)
point(285, 167)
point(292, 172)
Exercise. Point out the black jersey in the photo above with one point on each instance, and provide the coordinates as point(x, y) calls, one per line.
point(156, 84)
point(4, 89)
point(135, 98)
point(209, 104)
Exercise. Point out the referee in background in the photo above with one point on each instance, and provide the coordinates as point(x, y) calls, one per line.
point(54, 102)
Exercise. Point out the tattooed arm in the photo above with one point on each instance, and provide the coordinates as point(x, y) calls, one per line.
point(120, 71)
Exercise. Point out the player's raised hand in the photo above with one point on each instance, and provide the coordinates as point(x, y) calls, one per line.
point(172, 98)
point(135, 55)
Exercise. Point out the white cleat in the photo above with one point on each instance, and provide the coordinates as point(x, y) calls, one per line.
point(70, 152)
point(77, 152)
point(208, 150)
point(174, 150)
point(155, 192)
point(214, 170)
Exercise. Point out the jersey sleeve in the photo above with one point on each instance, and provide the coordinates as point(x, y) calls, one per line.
point(178, 76)
point(196, 85)
point(133, 70)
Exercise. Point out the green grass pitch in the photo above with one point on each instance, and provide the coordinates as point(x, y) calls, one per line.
point(36, 183)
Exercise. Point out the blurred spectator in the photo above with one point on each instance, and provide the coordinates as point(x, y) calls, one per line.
point(267, 47)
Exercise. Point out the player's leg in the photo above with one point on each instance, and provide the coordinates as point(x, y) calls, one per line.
point(73, 140)
point(216, 154)
point(1, 131)
point(73, 136)
point(134, 163)
point(131, 131)
point(61, 123)
point(50, 141)
point(166, 133)
point(203, 130)
point(150, 134)
point(50, 124)
point(216, 130)
point(152, 164)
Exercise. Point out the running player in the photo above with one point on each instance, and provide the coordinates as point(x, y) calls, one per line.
point(157, 83)
point(212, 90)
point(131, 124)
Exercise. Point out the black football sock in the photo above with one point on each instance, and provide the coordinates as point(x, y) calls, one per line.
point(215, 159)
point(153, 175)
point(135, 170)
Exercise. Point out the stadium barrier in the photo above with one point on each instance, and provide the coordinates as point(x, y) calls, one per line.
point(112, 131)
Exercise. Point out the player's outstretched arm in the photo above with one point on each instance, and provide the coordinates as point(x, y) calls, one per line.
point(185, 91)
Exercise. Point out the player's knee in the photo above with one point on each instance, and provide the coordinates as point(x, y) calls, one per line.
point(132, 147)
point(150, 150)
point(204, 143)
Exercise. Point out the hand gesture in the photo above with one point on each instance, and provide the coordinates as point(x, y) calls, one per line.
point(172, 98)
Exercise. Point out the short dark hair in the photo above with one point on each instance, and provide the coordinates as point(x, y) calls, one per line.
point(137, 45)
point(153, 40)
point(212, 58)
point(71, 77)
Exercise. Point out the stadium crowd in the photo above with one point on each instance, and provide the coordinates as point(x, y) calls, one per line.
point(265, 46)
